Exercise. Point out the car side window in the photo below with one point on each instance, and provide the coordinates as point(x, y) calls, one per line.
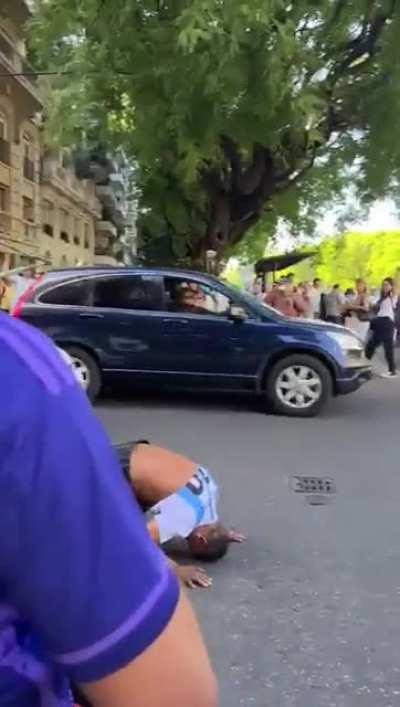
point(191, 297)
point(128, 292)
point(76, 294)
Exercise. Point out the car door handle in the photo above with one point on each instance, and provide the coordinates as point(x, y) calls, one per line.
point(87, 315)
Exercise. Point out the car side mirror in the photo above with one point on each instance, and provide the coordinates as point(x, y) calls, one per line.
point(237, 313)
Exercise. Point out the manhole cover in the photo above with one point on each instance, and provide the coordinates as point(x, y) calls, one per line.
point(313, 485)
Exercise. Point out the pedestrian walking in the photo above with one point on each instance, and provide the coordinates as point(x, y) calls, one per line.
point(315, 295)
point(383, 326)
point(359, 311)
point(334, 304)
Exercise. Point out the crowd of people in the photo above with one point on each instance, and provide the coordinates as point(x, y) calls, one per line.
point(373, 315)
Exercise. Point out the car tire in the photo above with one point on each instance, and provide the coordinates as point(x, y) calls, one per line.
point(298, 385)
point(87, 371)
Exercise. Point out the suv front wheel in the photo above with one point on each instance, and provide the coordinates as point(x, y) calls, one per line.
point(86, 371)
point(298, 385)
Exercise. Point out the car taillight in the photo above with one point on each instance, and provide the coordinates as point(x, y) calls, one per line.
point(26, 297)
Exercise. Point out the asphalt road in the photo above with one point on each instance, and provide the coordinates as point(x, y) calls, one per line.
point(307, 613)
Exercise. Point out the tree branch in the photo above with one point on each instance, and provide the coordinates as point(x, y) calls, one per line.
point(366, 42)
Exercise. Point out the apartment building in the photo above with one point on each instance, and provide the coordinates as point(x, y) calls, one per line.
point(111, 174)
point(70, 213)
point(20, 105)
point(50, 211)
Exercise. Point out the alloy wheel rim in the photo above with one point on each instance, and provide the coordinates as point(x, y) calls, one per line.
point(82, 372)
point(298, 387)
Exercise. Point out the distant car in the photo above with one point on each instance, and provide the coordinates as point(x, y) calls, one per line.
point(189, 330)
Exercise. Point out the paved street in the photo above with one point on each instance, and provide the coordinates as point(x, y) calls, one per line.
point(307, 613)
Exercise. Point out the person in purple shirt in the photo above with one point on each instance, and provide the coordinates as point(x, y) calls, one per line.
point(86, 598)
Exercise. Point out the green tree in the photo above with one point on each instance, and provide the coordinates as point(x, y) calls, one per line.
point(235, 111)
point(371, 256)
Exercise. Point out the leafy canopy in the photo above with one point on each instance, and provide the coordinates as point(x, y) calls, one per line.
point(371, 256)
point(235, 111)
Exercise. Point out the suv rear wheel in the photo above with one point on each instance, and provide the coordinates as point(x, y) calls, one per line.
point(86, 370)
point(298, 385)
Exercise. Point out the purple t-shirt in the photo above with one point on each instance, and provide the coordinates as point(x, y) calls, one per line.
point(83, 590)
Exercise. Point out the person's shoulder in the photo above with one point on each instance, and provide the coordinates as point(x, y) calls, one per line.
point(29, 360)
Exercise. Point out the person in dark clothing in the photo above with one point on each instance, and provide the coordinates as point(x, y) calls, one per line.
point(383, 326)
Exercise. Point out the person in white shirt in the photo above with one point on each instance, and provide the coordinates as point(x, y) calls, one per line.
point(315, 296)
point(383, 326)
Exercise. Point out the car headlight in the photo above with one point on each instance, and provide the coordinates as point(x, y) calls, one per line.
point(349, 343)
point(346, 341)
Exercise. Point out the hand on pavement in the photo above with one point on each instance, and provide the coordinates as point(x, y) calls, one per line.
point(193, 577)
point(236, 536)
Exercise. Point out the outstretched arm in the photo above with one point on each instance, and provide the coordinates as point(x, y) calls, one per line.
point(189, 575)
point(235, 536)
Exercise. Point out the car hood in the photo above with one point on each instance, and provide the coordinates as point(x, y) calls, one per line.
point(318, 324)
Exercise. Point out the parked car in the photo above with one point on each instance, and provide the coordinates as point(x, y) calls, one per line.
point(187, 329)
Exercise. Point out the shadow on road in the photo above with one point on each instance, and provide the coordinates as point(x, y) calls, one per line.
point(183, 399)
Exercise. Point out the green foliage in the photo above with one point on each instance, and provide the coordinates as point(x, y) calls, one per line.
point(316, 84)
point(371, 256)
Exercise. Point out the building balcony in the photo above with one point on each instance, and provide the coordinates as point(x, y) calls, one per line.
point(5, 152)
point(106, 194)
point(107, 229)
point(106, 234)
point(95, 165)
point(14, 63)
point(66, 182)
point(118, 182)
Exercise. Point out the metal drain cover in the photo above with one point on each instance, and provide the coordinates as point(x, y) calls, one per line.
point(310, 485)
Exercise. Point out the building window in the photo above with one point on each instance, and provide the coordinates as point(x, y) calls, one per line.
point(87, 236)
point(48, 217)
point(77, 231)
point(29, 165)
point(3, 198)
point(65, 226)
point(29, 218)
point(28, 210)
point(4, 144)
point(3, 127)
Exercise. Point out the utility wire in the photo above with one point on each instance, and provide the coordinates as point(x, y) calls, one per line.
point(10, 74)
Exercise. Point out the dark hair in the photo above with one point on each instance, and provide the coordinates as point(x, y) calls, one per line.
point(391, 283)
point(316, 279)
point(336, 287)
point(215, 548)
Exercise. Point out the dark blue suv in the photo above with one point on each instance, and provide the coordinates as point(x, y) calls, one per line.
point(187, 329)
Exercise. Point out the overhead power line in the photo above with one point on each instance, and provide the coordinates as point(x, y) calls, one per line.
point(15, 74)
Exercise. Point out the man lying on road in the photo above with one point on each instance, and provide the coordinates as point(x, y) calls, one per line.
point(182, 498)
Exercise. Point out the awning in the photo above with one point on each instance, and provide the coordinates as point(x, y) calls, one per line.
point(274, 263)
